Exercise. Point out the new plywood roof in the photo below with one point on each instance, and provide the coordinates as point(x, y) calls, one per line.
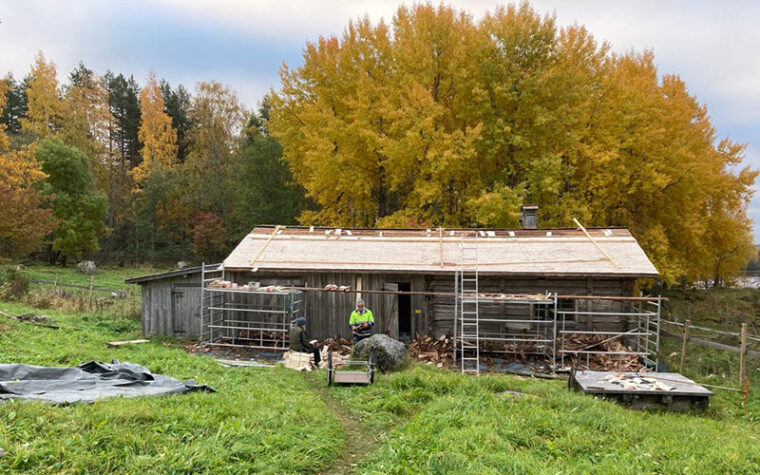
point(613, 251)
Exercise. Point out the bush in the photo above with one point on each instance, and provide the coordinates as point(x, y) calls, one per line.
point(13, 284)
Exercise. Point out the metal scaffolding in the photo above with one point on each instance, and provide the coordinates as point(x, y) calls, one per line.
point(638, 320)
point(247, 317)
point(507, 325)
point(529, 325)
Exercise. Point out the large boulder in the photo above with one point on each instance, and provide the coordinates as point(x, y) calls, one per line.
point(87, 267)
point(390, 354)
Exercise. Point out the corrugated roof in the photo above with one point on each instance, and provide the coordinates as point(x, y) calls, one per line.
point(500, 251)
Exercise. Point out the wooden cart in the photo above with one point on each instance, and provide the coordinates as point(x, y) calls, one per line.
point(351, 376)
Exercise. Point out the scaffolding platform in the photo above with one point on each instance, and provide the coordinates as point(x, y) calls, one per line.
point(671, 391)
point(247, 317)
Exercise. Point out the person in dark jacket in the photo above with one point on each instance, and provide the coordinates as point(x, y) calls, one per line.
point(300, 342)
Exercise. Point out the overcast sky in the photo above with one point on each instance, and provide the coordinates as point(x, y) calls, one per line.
point(713, 46)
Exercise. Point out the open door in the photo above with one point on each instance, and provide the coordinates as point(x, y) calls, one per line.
point(390, 311)
point(405, 313)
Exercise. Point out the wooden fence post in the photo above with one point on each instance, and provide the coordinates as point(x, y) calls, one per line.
point(683, 347)
point(92, 283)
point(742, 351)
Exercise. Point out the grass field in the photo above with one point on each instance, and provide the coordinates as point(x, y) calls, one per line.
point(421, 420)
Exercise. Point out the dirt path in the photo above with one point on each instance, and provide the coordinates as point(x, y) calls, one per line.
point(359, 441)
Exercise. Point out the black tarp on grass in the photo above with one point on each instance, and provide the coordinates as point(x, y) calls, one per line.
point(86, 382)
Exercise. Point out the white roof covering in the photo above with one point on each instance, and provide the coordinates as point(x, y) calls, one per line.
point(612, 251)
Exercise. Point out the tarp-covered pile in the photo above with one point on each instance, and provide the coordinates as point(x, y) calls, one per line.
point(86, 382)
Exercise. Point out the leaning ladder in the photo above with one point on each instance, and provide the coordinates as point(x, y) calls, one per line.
point(467, 301)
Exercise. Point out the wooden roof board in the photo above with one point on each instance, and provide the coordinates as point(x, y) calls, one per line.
point(569, 253)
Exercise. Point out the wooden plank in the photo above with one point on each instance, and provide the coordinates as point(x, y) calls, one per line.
point(261, 251)
point(114, 344)
point(578, 223)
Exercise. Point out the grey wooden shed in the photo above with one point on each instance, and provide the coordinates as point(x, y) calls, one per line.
point(171, 302)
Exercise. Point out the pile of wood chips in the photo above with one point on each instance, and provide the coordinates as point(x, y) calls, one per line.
point(602, 362)
point(438, 351)
point(337, 344)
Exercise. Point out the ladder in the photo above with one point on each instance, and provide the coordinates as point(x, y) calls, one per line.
point(209, 299)
point(467, 302)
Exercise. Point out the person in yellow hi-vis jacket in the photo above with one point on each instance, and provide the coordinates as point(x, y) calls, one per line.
point(361, 321)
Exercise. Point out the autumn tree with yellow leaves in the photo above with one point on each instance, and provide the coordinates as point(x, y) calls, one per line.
point(437, 119)
point(23, 223)
point(158, 138)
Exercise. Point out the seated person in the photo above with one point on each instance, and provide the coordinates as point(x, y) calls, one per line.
point(361, 321)
point(300, 342)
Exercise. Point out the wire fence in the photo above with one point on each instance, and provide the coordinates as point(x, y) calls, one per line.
point(729, 357)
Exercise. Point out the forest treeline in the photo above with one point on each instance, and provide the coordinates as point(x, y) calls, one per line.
point(433, 119)
point(102, 166)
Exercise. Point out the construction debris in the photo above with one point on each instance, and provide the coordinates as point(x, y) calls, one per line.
point(243, 363)
point(252, 286)
point(305, 361)
point(514, 296)
point(632, 382)
point(114, 344)
point(601, 361)
point(220, 284)
point(39, 320)
point(337, 288)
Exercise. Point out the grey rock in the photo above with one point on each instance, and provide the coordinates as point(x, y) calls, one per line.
point(87, 267)
point(390, 354)
point(183, 265)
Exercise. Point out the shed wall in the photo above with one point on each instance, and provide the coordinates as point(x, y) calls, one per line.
point(328, 312)
point(172, 306)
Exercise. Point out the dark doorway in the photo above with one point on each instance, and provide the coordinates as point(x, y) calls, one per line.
point(404, 312)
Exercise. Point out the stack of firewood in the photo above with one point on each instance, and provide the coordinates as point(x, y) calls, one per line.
point(438, 351)
point(337, 344)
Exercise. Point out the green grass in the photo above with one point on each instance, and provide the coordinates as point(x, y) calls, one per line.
point(721, 309)
point(110, 277)
point(433, 421)
point(423, 420)
point(260, 421)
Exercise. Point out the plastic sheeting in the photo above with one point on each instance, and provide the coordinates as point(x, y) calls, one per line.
point(87, 382)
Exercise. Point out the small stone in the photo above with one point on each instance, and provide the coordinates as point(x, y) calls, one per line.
point(87, 267)
point(183, 265)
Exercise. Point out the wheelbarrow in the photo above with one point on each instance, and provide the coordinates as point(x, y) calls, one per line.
point(359, 376)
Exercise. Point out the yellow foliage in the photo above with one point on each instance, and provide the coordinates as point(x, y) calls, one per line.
point(45, 109)
point(158, 137)
point(442, 120)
